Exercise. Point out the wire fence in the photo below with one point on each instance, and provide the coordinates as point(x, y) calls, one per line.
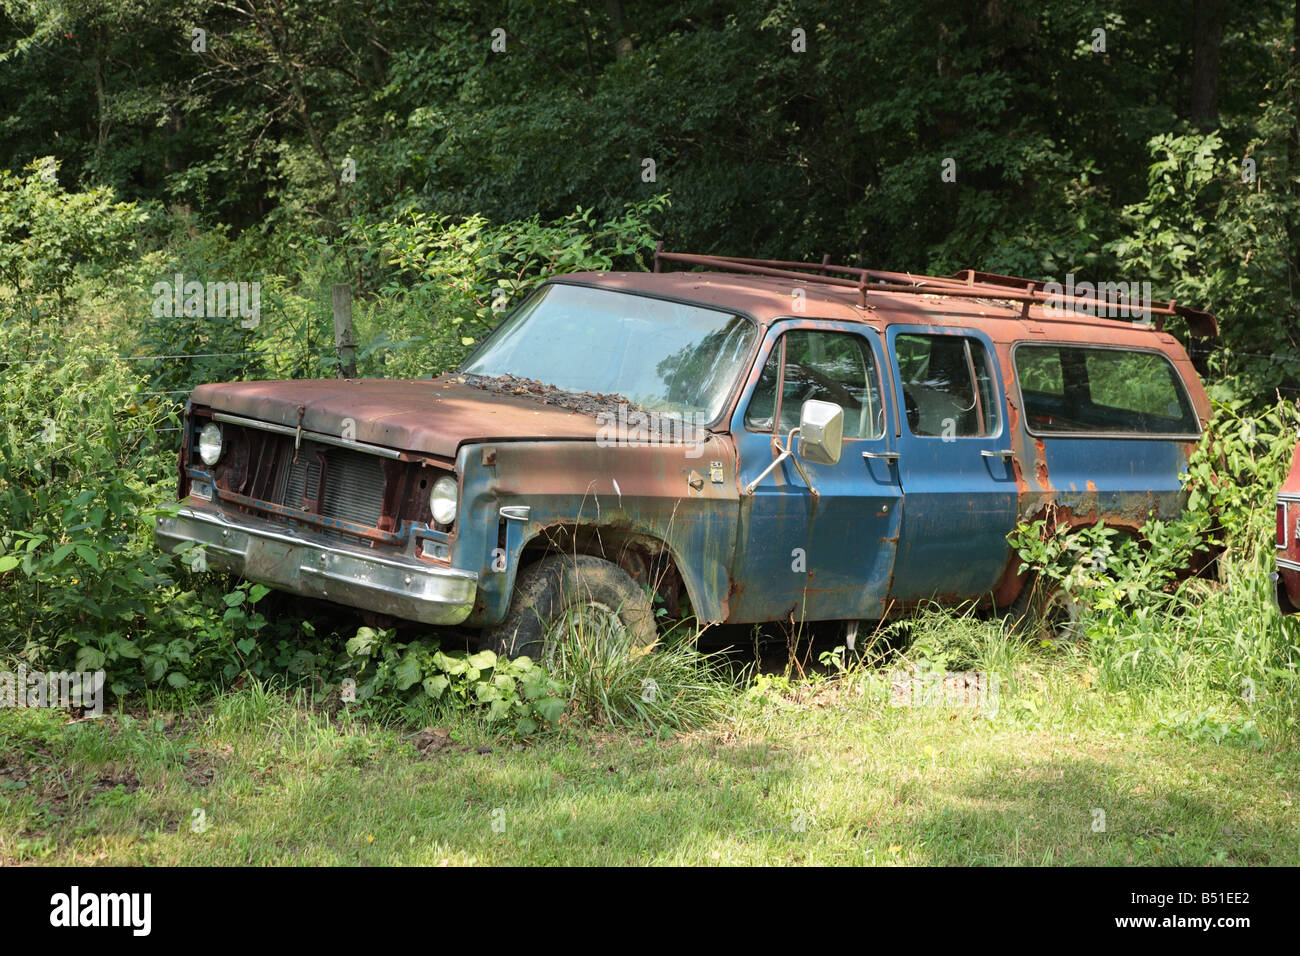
point(186, 356)
point(1289, 358)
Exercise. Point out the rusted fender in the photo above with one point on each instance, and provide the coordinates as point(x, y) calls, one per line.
point(682, 496)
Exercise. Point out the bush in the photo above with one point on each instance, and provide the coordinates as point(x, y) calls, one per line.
point(49, 237)
point(448, 282)
point(80, 472)
point(84, 467)
point(517, 693)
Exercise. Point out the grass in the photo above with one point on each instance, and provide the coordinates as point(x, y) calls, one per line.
point(820, 772)
point(675, 687)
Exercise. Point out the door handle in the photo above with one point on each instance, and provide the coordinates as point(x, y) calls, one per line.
point(1005, 453)
point(882, 455)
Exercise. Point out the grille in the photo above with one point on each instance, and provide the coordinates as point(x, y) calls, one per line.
point(354, 485)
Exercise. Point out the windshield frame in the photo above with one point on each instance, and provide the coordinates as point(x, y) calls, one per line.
point(742, 376)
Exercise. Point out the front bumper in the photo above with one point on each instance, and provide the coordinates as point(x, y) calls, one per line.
point(274, 555)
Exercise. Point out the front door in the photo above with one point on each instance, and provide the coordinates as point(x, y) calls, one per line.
point(954, 461)
point(828, 555)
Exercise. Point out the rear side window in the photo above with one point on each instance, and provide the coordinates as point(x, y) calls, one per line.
point(1070, 389)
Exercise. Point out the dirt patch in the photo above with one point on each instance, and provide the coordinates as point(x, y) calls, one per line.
point(114, 775)
point(201, 769)
point(586, 403)
point(19, 770)
point(435, 740)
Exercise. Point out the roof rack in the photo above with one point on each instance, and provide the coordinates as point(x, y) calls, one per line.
point(965, 284)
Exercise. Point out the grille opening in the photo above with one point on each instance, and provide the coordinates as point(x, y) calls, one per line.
point(325, 481)
point(353, 485)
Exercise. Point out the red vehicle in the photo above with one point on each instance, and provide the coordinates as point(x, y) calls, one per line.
point(1288, 539)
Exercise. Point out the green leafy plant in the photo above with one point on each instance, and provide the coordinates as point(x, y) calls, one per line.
point(515, 692)
point(447, 282)
point(49, 237)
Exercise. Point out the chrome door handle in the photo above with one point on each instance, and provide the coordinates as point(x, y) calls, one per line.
point(1005, 453)
point(882, 455)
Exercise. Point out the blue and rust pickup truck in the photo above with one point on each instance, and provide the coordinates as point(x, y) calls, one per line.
point(748, 439)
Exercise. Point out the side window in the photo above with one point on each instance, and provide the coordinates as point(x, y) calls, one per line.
point(948, 386)
point(834, 367)
point(1069, 388)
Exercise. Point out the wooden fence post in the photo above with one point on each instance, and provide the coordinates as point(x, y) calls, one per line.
point(344, 342)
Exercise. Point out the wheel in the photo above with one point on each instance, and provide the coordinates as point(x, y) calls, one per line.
point(597, 601)
point(1044, 609)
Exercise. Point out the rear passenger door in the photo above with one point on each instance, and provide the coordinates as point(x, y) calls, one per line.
point(954, 463)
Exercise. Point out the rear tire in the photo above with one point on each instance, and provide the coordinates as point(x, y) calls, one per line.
point(1044, 609)
point(563, 591)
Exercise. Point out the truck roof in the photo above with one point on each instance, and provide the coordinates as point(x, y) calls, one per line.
point(1006, 308)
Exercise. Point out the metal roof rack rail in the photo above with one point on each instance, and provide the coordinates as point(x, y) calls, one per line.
point(965, 284)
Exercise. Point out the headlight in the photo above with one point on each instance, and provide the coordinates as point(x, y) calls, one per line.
point(442, 500)
point(210, 443)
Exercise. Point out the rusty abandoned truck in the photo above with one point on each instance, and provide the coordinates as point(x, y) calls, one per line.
point(765, 440)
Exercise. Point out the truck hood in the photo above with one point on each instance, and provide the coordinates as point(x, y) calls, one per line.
point(432, 416)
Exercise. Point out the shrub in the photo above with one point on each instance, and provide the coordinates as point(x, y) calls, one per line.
point(79, 473)
point(518, 693)
point(49, 237)
point(448, 282)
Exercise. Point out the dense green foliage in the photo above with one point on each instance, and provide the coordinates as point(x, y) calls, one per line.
point(1119, 141)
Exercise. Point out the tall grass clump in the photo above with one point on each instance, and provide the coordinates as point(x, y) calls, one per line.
point(947, 639)
point(670, 687)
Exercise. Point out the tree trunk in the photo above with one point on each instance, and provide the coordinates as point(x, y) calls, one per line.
point(1293, 156)
point(622, 42)
point(285, 60)
point(1207, 35)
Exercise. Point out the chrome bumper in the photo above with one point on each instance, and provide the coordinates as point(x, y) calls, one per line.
point(273, 555)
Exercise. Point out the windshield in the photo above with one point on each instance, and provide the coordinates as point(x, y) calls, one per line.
point(663, 356)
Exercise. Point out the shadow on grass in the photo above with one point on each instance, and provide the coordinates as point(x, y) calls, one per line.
point(1090, 812)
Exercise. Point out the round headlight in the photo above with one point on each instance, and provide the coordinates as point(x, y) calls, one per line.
point(210, 443)
point(442, 500)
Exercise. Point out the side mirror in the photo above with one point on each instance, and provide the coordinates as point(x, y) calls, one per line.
point(821, 431)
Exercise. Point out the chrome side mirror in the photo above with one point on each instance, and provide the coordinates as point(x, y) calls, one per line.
point(821, 436)
point(821, 432)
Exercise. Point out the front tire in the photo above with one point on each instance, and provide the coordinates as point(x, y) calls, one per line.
point(588, 595)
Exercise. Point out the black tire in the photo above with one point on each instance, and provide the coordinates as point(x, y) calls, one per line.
point(548, 592)
point(1044, 609)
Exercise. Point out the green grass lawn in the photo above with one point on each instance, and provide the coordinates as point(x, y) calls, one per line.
point(828, 772)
